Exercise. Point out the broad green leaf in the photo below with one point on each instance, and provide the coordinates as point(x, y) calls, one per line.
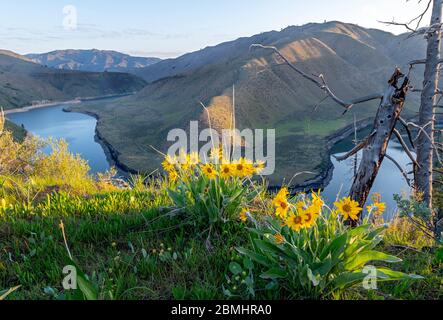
point(348, 279)
point(367, 256)
point(336, 247)
point(261, 259)
point(386, 274)
point(274, 273)
point(87, 288)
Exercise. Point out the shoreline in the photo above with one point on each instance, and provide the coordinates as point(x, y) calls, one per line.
point(67, 102)
point(318, 182)
point(111, 153)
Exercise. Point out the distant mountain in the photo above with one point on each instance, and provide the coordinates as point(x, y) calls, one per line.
point(23, 82)
point(354, 60)
point(91, 60)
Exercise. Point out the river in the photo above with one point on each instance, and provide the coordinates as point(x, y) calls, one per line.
point(79, 131)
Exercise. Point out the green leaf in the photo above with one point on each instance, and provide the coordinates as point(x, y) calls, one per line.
point(84, 285)
point(391, 275)
point(87, 288)
point(259, 258)
point(235, 268)
point(335, 248)
point(348, 279)
point(274, 273)
point(366, 256)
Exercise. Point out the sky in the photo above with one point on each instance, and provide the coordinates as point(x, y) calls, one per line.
point(170, 28)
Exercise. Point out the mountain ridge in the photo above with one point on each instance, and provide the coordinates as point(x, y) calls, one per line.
point(354, 60)
point(92, 60)
point(23, 82)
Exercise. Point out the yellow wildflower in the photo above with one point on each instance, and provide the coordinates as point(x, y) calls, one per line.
point(169, 163)
point(173, 175)
point(249, 168)
point(209, 171)
point(317, 200)
point(226, 171)
point(300, 206)
point(295, 222)
point(240, 167)
point(281, 203)
point(350, 209)
point(309, 216)
point(377, 209)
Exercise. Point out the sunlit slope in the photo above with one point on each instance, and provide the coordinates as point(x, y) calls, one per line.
point(23, 82)
point(355, 62)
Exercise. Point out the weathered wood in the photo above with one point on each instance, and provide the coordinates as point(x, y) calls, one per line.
point(374, 153)
point(425, 148)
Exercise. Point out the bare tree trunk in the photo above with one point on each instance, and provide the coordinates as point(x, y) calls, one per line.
point(375, 146)
point(425, 148)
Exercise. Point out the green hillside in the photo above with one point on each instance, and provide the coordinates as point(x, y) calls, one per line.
point(355, 61)
point(23, 82)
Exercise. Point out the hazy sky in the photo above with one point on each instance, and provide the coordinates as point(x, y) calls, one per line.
point(169, 28)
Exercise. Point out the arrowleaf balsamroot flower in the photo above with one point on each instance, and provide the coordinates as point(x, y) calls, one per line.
point(377, 209)
point(350, 209)
point(281, 203)
point(226, 171)
point(209, 171)
point(169, 163)
point(295, 222)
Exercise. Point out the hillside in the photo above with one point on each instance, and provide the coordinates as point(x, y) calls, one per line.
point(91, 60)
point(23, 82)
point(355, 61)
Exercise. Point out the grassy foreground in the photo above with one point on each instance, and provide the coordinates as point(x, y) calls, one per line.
point(203, 232)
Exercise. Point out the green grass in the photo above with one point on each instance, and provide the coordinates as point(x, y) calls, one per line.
point(137, 253)
point(129, 246)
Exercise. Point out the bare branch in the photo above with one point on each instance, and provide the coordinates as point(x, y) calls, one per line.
point(423, 131)
point(320, 81)
point(405, 125)
point(403, 172)
point(356, 149)
point(405, 147)
point(417, 19)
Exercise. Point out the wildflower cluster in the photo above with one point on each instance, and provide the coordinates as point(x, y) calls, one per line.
point(213, 191)
point(219, 166)
point(302, 214)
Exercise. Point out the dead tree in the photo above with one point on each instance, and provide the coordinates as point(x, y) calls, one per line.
point(425, 148)
point(374, 147)
point(427, 151)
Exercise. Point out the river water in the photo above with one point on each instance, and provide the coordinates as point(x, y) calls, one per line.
point(79, 131)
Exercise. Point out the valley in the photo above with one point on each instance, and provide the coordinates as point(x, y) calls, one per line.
point(268, 94)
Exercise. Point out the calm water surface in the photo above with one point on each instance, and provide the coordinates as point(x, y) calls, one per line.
point(77, 129)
